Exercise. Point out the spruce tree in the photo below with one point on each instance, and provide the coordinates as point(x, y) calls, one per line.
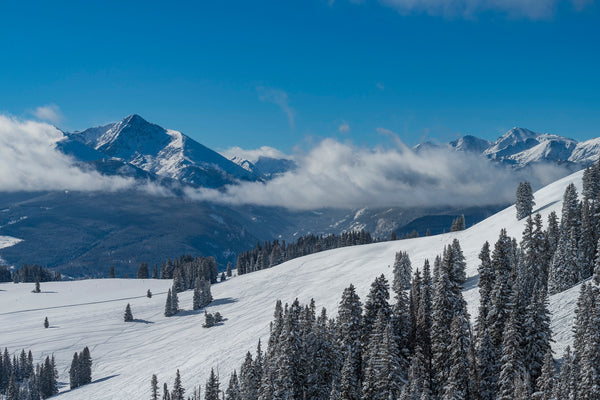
point(128, 316)
point(169, 305)
point(512, 367)
point(46, 323)
point(74, 372)
point(211, 392)
point(377, 302)
point(233, 389)
point(546, 381)
point(154, 387)
point(174, 301)
point(458, 385)
point(402, 272)
point(524, 200)
point(178, 391)
point(85, 367)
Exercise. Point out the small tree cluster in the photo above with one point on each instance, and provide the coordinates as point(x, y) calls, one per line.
point(202, 296)
point(458, 224)
point(80, 372)
point(172, 303)
point(211, 319)
point(20, 379)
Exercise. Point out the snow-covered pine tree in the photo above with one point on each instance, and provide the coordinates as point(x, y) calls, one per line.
point(402, 272)
point(546, 381)
point(512, 368)
point(85, 367)
point(537, 338)
point(586, 247)
point(377, 302)
point(487, 366)
point(169, 305)
point(46, 323)
point(524, 200)
point(564, 272)
point(154, 388)
point(486, 285)
point(249, 379)
point(597, 266)
point(128, 316)
point(229, 270)
point(458, 385)
point(233, 388)
point(166, 395)
point(209, 320)
point(74, 372)
point(174, 301)
point(178, 391)
point(564, 387)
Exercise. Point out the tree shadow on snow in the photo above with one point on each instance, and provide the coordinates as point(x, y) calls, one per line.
point(225, 300)
point(63, 384)
point(471, 282)
point(543, 208)
point(143, 321)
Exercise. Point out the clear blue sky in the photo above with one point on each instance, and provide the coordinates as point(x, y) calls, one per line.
point(282, 73)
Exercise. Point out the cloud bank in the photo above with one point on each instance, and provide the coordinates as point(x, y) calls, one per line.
point(30, 162)
point(531, 9)
point(341, 175)
point(253, 155)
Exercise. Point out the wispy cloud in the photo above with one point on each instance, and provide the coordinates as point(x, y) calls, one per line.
point(531, 9)
point(335, 174)
point(344, 127)
point(280, 99)
point(49, 113)
point(30, 162)
point(254, 154)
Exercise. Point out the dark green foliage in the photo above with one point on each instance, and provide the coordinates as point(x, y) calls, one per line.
point(149, 294)
point(33, 273)
point(154, 388)
point(128, 316)
point(524, 200)
point(143, 271)
point(178, 390)
point(458, 224)
point(46, 323)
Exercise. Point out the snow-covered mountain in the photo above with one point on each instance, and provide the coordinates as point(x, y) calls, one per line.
point(125, 355)
point(521, 147)
point(265, 167)
point(151, 148)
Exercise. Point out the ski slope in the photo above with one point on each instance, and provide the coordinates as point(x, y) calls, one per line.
point(125, 355)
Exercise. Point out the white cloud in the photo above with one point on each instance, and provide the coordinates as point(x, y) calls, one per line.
point(253, 155)
point(280, 99)
point(344, 127)
point(533, 9)
point(335, 174)
point(30, 162)
point(50, 113)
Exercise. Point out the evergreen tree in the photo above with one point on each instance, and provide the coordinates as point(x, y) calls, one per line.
point(154, 387)
point(46, 323)
point(211, 392)
point(486, 285)
point(563, 388)
point(128, 317)
point(249, 379)
point(546, 381)
point(597, 266)
point(13, 388)
point(178, 391)
point(209, 320)
point(233, 390)
point(458, 385)
point(564, 272)
point(37, 286)
point(402, 272)
point(377, 302)
point(524, 200)
point(512, 367)
point(586, 246)
point(487, 366)
point(174, 301)
point(166, 395)
point(458, 224)
point(229, 270)
point(350, 385)
point(111, 274)
point(149, 294)
point(143, 272)
point(169, 305)
point(74, 372)
point(537, 338)
point(85, 367)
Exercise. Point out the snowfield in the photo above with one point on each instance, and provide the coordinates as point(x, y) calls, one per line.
point(125, 355)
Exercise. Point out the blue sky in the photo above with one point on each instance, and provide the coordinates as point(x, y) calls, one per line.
point(288, 73)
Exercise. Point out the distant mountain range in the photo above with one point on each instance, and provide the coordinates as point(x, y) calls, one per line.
point(84, 233)
point(521, 147)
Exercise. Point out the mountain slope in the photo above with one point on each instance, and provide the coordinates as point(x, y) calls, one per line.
point(126, 355)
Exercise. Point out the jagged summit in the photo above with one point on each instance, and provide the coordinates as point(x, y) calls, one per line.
point(154, 149)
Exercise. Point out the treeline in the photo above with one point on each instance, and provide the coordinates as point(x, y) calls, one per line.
point(183, 270)
point(269, 253)
point(20, 379)
point(28, 273)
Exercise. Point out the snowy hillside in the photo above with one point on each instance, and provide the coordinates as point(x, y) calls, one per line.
point(127, 354)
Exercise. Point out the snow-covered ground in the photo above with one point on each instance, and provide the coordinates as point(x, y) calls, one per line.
point(90, 313)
